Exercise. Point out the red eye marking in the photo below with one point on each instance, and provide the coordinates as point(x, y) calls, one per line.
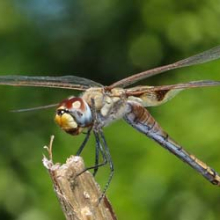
point(74, 102)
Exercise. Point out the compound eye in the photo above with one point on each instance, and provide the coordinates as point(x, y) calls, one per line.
point(60, 112)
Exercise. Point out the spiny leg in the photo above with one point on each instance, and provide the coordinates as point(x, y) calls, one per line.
point(98, 144)
point(79, 151)
point(99, 149)
point(87, 138)
point(105, 152)
point(96, 160)
point(109, 160)
point(106, 159)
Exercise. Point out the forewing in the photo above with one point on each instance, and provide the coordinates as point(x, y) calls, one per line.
point(157, 95)
point(35, 108)
point(203, 57)
point(189, 85)
point(64, 82)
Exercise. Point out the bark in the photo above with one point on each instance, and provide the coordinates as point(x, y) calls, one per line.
point(78, 195)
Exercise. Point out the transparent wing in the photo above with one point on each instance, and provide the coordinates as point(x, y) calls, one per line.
point(64, 82)
point(203, 57)
point(139, 90)
point(157, 95)
point(35, 108)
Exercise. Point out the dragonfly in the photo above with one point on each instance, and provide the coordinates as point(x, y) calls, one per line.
point(99, 105)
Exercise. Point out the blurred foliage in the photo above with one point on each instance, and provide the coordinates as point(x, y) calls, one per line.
point(105, 41)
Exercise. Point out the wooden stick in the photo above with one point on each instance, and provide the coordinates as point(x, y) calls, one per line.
point(78, 195)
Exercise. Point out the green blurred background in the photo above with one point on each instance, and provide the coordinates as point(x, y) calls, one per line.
point(106, 40)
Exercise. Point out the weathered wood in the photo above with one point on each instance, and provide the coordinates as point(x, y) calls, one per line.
point(78, 195)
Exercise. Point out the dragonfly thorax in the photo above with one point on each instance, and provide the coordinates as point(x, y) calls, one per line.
point(73, 115)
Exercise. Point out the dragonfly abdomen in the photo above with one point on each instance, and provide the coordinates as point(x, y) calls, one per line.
point(141, 119)
point(139, 115)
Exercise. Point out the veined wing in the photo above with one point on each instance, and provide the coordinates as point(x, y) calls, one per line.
point(157, 95)
point(64, 82)
point(203, 57)
point(139, 90)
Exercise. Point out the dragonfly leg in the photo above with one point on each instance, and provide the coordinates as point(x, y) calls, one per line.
point(86, 140)
point(98, 145)
point(79, 151)
point(99, 148)
point(109, 160)
point(105, 153)
point(141, 119)
point(96, 160)
point(106, 159)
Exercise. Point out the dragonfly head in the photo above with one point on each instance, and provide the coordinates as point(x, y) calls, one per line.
point(73, 115)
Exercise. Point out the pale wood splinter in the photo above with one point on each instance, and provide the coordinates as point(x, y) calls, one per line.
point(78, 196)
